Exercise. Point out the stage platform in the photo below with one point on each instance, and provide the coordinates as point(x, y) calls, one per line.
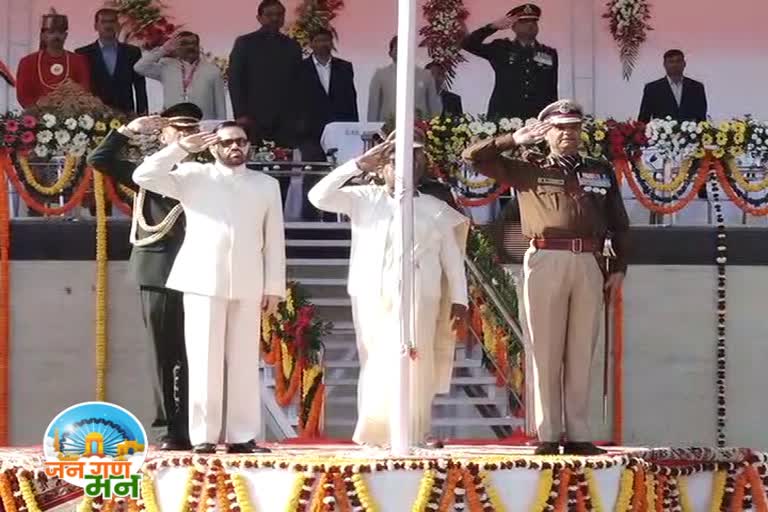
point(475, 478)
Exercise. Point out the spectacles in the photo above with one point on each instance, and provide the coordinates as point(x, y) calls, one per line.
point(240, 142)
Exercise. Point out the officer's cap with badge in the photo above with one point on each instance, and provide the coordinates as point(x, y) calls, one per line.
point(526, 12)
point(183, 116)
point(562, 112)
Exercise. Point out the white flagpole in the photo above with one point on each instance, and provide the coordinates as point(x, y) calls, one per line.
point(400, 428)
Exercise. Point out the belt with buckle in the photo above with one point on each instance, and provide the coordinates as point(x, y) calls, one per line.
point(575, 245)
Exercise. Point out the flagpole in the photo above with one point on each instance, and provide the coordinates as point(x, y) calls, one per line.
point(400, 428)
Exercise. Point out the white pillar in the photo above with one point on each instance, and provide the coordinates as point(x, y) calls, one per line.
point(400, 431)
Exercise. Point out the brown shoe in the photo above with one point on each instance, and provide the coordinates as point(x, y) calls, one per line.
point(548, 448)
point(582, 448)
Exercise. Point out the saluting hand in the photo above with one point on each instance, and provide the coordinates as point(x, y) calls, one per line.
point(504, 23)
point(372, 160)
point(531, 134)
point(198, 142)
point(146, 125)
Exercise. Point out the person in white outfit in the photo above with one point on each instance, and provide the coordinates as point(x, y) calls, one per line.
point(231, 267)
point(440, 290)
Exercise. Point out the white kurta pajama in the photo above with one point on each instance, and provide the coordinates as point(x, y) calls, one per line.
point(440, 280)
point(233, 254)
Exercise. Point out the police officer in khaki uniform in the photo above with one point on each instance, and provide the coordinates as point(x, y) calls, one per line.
point(573, 214)
point(526, 70)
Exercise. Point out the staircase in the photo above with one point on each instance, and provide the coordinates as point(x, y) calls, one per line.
point(318, 258)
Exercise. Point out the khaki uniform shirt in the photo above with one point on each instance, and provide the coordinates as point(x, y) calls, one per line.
point(557, 200)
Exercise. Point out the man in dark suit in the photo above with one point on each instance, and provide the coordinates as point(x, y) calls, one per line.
point(526, 70)
point(451, 101)
point(675, 95)
point(157, 231)
point(329, 95)
point(264, 69)
point(113, 79)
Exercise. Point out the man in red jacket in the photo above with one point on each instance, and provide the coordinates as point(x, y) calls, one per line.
point(43, 71)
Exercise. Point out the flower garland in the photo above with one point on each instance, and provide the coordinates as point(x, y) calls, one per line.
point(67, 175)
point(444, 32)
point(718, 490)
point(628, 23)
point(626, 490)
point(545, 489)
point(144, 22)
point(313, 15)
point(291, 342)
point(721, 260)
point(424, 494)
point(102, 261)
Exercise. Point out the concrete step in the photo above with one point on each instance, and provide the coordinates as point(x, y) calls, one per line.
point(442, 422)
point(439, 400)
point(485, 380)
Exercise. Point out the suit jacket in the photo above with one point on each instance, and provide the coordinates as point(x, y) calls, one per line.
point(381, 97)
point(117, 90)
point(234, 246)
point(526, 77)
point(320, 107)
point(264, 71)
point(451, 103)
point(151, 264)
point(659, 101)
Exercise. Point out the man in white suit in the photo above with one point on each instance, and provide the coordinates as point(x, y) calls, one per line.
point(230, 267)
point(440, 284)
point(383, 91)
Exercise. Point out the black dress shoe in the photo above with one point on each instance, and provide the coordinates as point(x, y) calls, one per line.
point(168, 443)
point(204, 448)
point(582, 448)
point(247, 447)
point(432, 443)
point(548, 448)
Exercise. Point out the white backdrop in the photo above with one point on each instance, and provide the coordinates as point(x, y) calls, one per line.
point(726, 45)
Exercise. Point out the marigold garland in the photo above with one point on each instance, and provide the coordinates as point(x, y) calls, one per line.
point(148, 496)
point(737, 498)
point(743, 182)
point(6, 494)
point(102, 260)
point(594, 491)
point(733, 196)
point(31, 202)
point(425, 491)
point(242, 496)
point(626, 490)
point(718, 490)
point(678, 181)
point(28, 494)
point(449, 491)
point(543, 491)
point(699, 182)
point(67, 175)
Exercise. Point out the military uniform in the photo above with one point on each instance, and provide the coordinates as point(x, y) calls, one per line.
point(526, 76)
point(568, 205)
point(162, 308)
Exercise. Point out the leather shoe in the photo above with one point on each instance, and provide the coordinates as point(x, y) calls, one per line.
point(432, 443)
point(204, 448)
point(174, 444)
point(548, 448)
point(247, 447)
point(582, 448)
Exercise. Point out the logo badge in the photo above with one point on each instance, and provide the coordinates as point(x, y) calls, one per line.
point(98, 446)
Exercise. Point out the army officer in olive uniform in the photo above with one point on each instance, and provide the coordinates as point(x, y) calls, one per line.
point(526, 70)
point(157, 231)
point(573, 214)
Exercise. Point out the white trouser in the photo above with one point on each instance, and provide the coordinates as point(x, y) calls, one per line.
point(219, 330)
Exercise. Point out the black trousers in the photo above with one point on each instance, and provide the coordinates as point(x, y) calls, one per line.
point(163, 313)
